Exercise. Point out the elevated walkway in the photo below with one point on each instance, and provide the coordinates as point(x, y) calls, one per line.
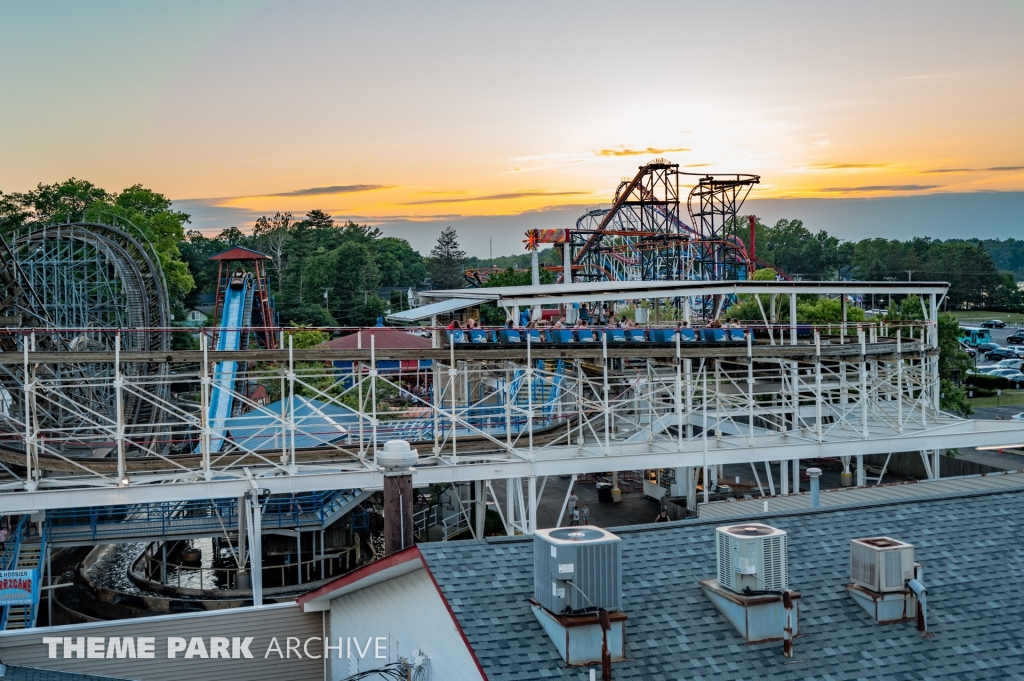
point(195, 519)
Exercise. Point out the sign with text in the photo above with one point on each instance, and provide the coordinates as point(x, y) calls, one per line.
point(19, 587)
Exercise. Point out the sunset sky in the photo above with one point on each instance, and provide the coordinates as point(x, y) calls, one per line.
point(501, 116)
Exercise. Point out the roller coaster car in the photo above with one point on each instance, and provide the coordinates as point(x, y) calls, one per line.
point(483, 337)
point(561, 336)
point(237, 280)
point(718, 335)
point(510, 336)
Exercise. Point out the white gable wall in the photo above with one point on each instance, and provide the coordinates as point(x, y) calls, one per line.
point(409, 613)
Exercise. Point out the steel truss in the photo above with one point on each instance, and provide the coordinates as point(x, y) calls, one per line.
point(493, 414)
point(642, 237)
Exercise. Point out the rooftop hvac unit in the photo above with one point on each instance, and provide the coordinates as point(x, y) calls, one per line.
point(576, 569)
point(881, 564)
point(752, 557)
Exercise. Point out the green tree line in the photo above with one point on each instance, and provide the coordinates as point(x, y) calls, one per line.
point(976, 278)
point(325, 272)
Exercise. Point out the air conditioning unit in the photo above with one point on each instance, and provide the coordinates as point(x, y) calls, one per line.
point(881, 564)
point(752, 557)
point(577, 569)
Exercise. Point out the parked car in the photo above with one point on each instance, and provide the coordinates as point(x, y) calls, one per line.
point(1010, 363)
point(987, 347)
point(1000, 353)
point(994, 324)
point(1016, 339)
point(1015, 377)
point(1016, 380)
point(971, 352)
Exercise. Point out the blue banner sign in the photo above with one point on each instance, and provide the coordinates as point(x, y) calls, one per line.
point(19, 587)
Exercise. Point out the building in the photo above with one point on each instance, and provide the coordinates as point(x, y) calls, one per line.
point(465, 608)
point(466, 604)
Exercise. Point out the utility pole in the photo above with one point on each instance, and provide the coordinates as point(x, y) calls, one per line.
point(909, 273)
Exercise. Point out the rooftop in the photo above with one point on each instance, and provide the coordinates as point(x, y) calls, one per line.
point(969, 545)
point(587, 291)
point(12, 673)
point(384, 338)
point(240, 253)
point(851, 496)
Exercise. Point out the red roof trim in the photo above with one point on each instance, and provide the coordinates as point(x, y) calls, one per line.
point(455, 619)
point(403, 556)
point(239, 253)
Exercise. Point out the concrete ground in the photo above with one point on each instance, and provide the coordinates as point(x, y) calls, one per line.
point(1007, 460)
point(636, 508)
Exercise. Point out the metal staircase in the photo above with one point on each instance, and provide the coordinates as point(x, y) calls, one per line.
point(23, 552)
point(341, 503)
point(30, 557)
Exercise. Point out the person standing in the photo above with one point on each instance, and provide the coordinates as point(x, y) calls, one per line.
point(573, 500)
point(3, 539)
point(575, 517)
point(585, 515)
point(662, 517)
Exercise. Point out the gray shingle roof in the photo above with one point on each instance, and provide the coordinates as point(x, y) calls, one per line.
point(970, 548)
point(12, 673)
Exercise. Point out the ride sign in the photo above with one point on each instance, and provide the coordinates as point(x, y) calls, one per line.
point(19, 587)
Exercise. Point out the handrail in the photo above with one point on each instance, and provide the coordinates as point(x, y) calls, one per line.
point(155, 566)
point(9, 559)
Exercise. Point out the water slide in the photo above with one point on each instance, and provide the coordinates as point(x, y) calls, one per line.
point(234, 317)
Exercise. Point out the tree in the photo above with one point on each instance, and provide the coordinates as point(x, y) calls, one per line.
point(233, 236)
point(269, 236)
point(164, 228)
point(447, 261)
point(794, 249)
point(953, 366)
point(12, 212)
point(399, 264)
point(61, 202)
point(351, 279)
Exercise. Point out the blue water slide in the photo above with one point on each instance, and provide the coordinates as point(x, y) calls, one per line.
point(232, 320)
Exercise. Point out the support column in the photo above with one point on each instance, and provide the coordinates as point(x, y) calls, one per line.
point(398, 523)
point(532, 503)
point(510, 504)
point(783, 477)
point(480, 508)
point(691, 487)
point(792, 319)
point(842, 326)
point(566, 260)
point(256, 541)
point(860, 471)
point(242, 576)
point(796, 476)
